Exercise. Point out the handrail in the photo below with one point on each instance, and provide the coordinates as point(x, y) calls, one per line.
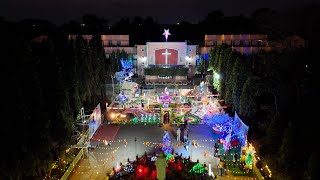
point(72, 165)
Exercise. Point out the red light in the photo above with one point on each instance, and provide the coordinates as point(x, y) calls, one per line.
point(140, 170)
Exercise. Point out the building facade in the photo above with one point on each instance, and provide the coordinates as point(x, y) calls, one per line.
point(166, 55)
point(179, 56)
point(243, 43)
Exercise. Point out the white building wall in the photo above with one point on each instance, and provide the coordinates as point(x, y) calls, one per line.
point(181, 47)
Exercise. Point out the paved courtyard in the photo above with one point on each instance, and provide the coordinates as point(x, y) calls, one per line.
point(127, 141)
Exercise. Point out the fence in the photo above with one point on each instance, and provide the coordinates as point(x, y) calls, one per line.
point(72, 165)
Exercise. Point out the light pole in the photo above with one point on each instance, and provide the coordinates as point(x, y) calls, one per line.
point(112, 76)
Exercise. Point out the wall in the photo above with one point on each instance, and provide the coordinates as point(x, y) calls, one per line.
point(181, 47)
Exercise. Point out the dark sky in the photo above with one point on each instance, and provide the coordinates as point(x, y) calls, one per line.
point(165, 11)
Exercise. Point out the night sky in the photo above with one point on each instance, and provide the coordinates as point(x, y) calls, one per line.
point(165, 11)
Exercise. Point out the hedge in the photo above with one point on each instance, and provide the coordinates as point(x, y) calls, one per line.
point(166, 71)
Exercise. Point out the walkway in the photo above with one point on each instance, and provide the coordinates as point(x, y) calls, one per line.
point(127, 141)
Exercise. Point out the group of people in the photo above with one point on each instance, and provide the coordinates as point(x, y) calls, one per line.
point(185, 134)
point(185, 137)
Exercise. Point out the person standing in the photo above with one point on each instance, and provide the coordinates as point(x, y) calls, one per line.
point(187, 145)
point(178, 134)
point(185, 135)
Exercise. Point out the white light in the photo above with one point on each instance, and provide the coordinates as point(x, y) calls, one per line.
point(210, 171)
point(216, 75)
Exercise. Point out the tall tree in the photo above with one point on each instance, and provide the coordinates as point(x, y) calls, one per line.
point(239, 75)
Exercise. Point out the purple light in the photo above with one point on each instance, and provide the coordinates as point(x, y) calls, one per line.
point(166, 33)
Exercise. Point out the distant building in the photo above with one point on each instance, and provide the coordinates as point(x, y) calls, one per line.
point(181, 57)
point(116, 42)
point(243, 43)
point(85, 37)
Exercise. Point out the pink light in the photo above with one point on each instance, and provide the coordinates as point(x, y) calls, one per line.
point(166, 33)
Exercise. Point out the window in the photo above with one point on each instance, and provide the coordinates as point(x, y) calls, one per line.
point(250, 43)
point(224, 43)
point(110, 43)
point(232, 43)
point(118, 43)
point(241, 43)
point(215, 43)
point(259, 42)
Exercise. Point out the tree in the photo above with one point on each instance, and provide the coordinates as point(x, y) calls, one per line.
point(201, 67)
point(239, 75)
point(287, 150)
point(248, 104)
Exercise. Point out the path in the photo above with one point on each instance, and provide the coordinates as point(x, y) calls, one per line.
point(102, 159)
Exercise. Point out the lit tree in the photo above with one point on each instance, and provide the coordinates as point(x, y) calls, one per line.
point(126, 73)
point(166, 142)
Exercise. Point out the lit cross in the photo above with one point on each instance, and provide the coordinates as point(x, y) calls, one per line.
point(166, 54)
point(166, 33)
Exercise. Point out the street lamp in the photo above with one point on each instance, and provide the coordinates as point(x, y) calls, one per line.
point(112, 76)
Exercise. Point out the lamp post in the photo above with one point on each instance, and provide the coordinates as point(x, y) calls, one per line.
point(112, 76)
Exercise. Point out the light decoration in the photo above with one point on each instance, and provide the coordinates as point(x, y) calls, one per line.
point(210, 170)
point(231, 128)
point(248, 157)
point(129, 167)
point(170, 158)
point(135, 120)
point(119, 175)
point(270, 174)
point(126, 73)
point(167, 148)
point(195, 144)
point(166, 34)
point(153, 158)
point(198, 169)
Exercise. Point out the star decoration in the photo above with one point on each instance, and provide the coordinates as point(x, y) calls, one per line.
point(166, 33)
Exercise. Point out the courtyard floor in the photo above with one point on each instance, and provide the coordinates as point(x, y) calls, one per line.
point(127, 141)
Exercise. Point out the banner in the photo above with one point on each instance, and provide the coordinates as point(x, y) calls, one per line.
point(240, 129)
point(95, 120)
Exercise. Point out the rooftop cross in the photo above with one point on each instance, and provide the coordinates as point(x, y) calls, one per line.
point(166, 53)
point(166, 33)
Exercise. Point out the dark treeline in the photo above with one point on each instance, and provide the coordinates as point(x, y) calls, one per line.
point(272, 93)
point(44, 84)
